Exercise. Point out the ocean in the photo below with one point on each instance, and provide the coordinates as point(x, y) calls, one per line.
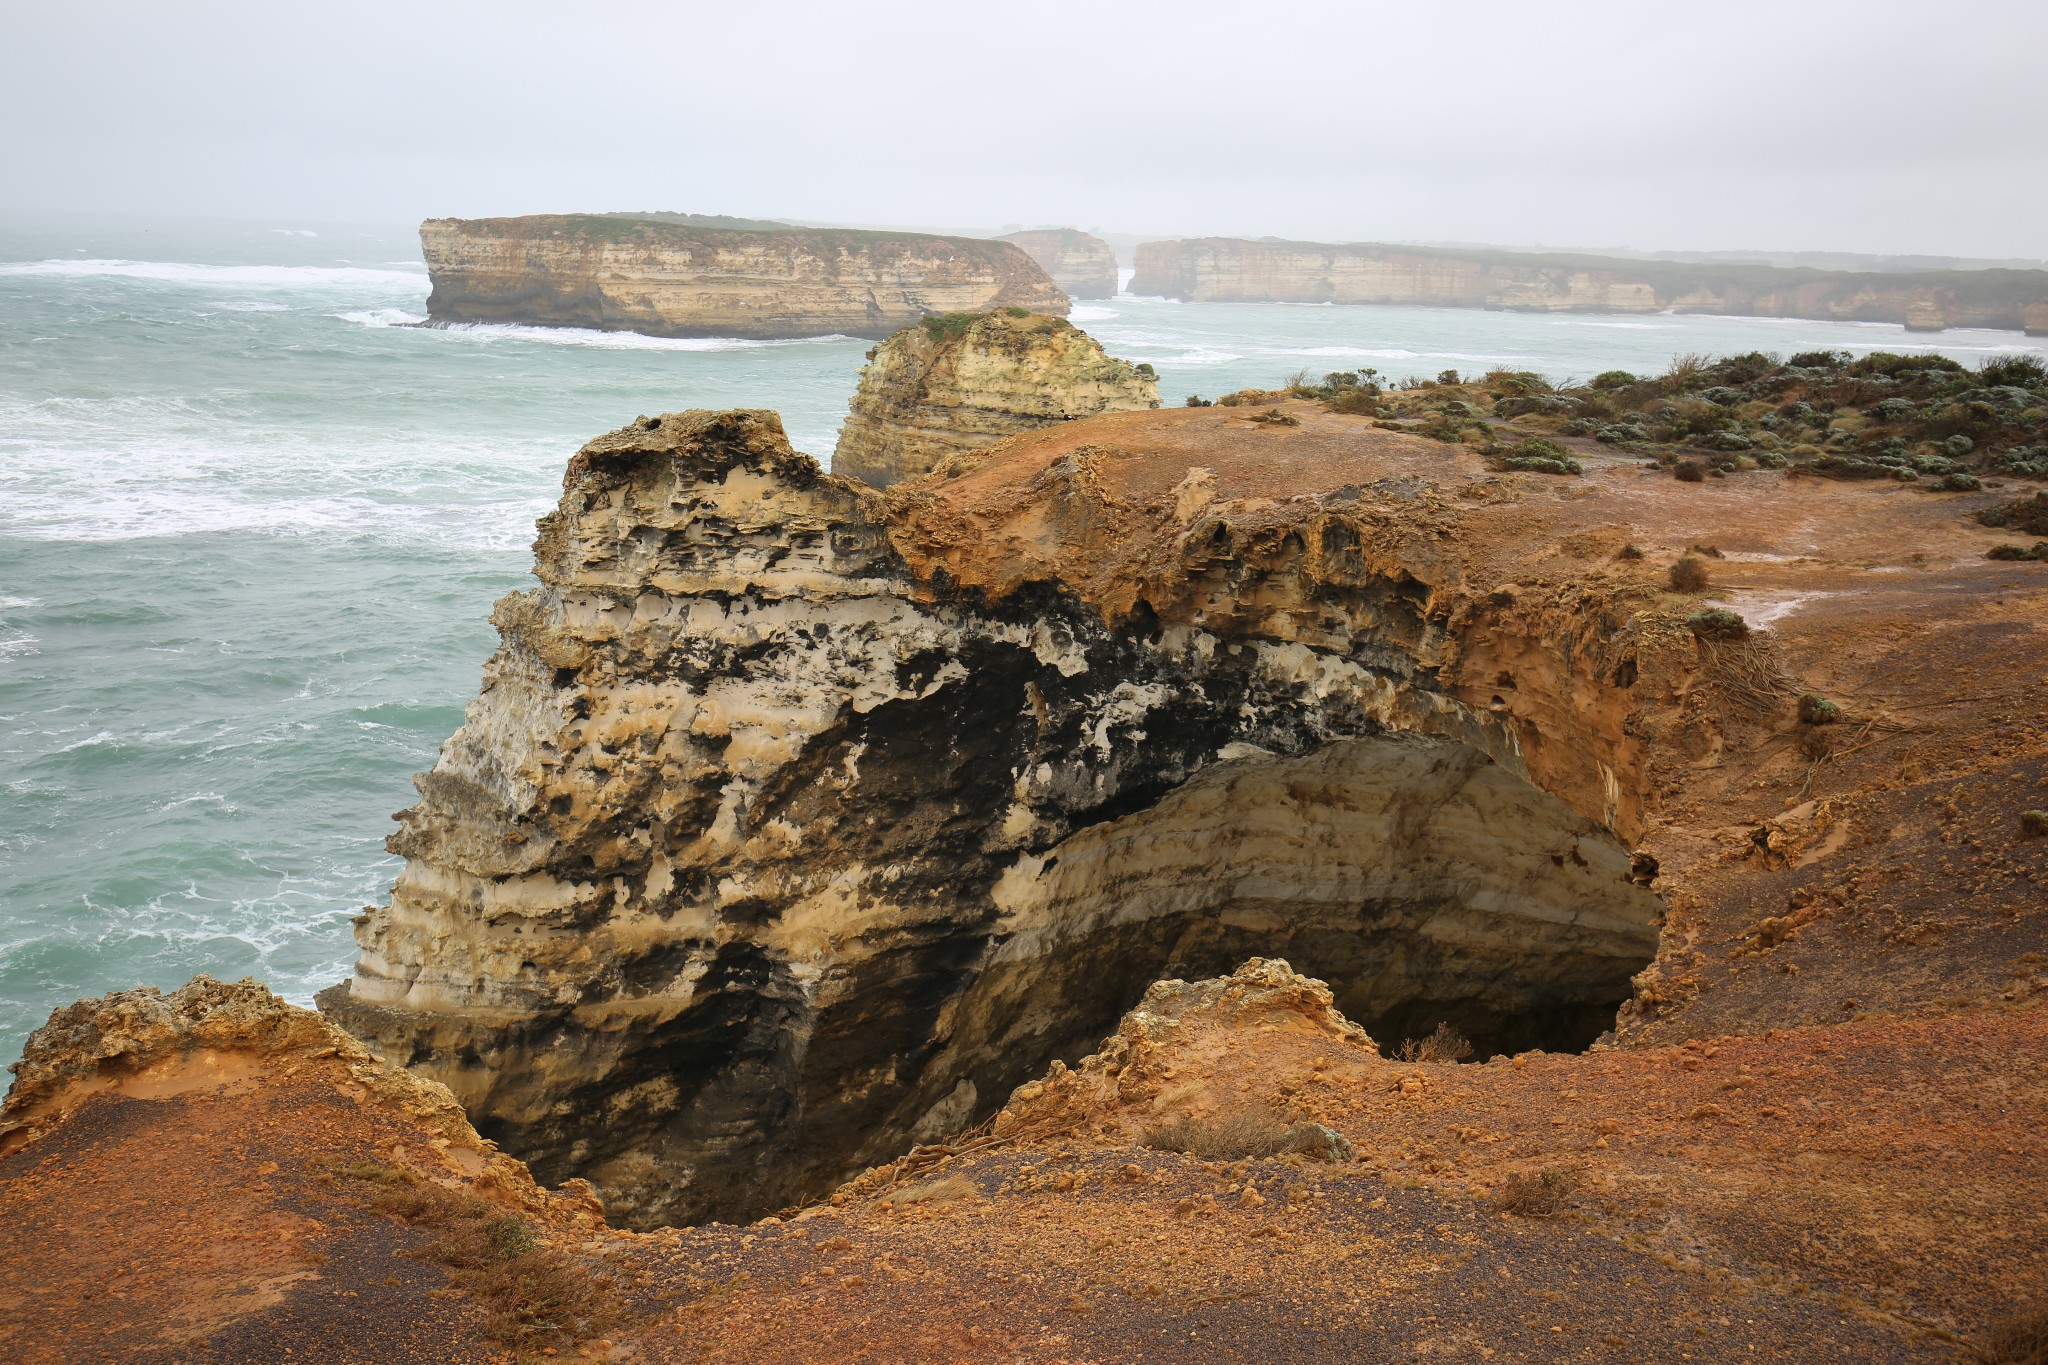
point(251, 527)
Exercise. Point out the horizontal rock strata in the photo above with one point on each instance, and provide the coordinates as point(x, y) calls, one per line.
point(953, 385)
point(1229, 270)
point(788, 827)
point(1082, 265)
point(620, 273)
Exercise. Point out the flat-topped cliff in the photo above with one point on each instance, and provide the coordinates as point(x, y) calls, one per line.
point(798, 820)
point(1081, 264)
point(954, 384)
point(621, 273)
point(1232, 270)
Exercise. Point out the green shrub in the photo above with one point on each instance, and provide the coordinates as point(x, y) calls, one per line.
point(1355, 402)
point(1612, 379)
point(1017, 312)
point(1195, 400)
point(1689, 575)
point(1814, 709)
point(1536, 456)
point(1717, 623)
point(1690, 471)
point(2039, 551)
point(1448, 377)
point(2029, 516)
point(2019, 372)
point(1819, 360)
point(949, 326)
point(1629, 552)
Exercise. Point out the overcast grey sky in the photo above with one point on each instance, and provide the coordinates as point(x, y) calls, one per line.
point(1807, 124)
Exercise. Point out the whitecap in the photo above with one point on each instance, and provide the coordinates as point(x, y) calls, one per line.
point(244, 276)
point(251, 306)
point(617, 341)
point(1083, 313)
point(383, 317)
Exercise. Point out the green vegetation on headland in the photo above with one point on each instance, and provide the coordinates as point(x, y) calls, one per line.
point(1925, 420)
point(684, 230)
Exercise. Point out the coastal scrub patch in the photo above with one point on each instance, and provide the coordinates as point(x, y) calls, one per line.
point(1539, 1194)
point(1446, 1044)
point(1689, 574)
point(1717, 623)
point(1814, 709)
point(1535, 455)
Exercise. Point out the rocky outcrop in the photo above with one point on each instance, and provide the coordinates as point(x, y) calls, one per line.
point(958, 384)
point(621, 273)
point(790, 824)
point(1082, 265)
point(1221, 269)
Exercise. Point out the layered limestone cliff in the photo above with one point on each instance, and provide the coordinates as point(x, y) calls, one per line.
point(953, 385)
point(621, 273)
point(796, 819)
point(1220, 269)
point(1082, 265)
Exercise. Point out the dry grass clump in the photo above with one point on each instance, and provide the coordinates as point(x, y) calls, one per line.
point(2022, 1340)
point(1689, 574)
point(1444, 1045)
point(1245, 1133)
point(935, 1191)
point(1540, 1194)
point(529, 1294)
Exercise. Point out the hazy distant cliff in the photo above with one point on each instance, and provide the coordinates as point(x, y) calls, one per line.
point(1222, 269)
point(668, 279)
point(1082, 265)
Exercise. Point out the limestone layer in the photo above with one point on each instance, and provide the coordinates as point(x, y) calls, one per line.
point(676, 280)
point(1222, 269)
point(954, 385)
point(1082, 265)
point(774, 840)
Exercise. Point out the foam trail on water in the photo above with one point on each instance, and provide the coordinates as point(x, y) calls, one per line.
point(245, 276)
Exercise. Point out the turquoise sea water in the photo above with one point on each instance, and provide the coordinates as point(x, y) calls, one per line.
point(250, 532)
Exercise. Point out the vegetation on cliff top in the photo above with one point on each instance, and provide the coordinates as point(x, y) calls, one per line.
point(1924, 420)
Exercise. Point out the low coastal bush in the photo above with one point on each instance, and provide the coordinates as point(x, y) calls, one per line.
point(1538, 1194)
point(1242, 1133)
point(1689, 575)
point(1535, 455)
point(1814, 709)
point(951, 326)
point(1195, 400)
point(2029, 516)
point(1446, 1044)
point(1689, 471)
point(2038, 551)
point(1717, 623)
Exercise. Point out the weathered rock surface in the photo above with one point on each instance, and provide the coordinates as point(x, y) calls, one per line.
point(1222, 269)
point(797, 820)
point(620, 273)
point(198, 1177)
point(949, 386)
point(1082, 265)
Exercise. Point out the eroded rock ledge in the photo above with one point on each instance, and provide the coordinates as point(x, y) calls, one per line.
point(957, 384)
point(795, 820)
point(1081, 264)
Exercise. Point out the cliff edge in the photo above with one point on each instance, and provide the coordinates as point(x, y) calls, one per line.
point(621, 273)
point(1082, 265)
point(961, 383)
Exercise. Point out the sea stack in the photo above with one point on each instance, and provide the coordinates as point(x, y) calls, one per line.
point(671, 279)
point(961, 383)
point(1082, 265)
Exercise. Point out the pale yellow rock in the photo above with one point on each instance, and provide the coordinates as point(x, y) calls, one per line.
point(936, 390)
point(1082, 265)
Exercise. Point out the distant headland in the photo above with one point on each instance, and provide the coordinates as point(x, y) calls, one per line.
point(684, 275)
point(1235, 270)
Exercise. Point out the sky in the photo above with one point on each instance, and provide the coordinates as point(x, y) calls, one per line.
point(1877, 126)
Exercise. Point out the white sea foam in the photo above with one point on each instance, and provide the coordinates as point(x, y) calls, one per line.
point(252, 306)
point(383, 317)
point(610, 341)
point(1081, 312)
point(242, 276)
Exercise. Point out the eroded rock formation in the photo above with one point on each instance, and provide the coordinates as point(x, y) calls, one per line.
point(952, 385)
point(789, 823)
point(1231, 270)
point(621, 273)
point(1082, 265)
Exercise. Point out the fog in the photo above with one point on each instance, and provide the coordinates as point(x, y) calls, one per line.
point(1875, 126)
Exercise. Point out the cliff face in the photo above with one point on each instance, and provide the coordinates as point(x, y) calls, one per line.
point(797, 820)
point(950, 386)
point(772, 841)
point(1082, 265)
point(1218, 269)
point(668, 279)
